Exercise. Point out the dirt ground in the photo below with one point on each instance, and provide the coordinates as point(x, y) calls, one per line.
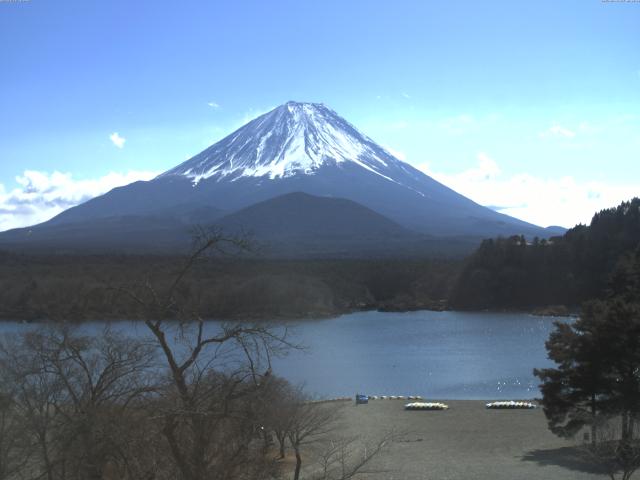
point(466, 442)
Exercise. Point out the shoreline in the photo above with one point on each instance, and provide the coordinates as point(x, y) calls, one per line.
point(467, 441)
point(405, 398)
point(536, 312)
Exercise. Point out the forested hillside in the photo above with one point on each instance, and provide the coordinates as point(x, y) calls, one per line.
point(567, 270)
point(76, 287)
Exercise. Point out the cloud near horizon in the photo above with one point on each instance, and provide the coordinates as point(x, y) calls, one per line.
point(562, 201)
point(42, 195)
point(543, 201)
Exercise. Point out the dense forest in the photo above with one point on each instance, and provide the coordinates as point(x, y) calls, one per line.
point(79, 287)
point(513, 273)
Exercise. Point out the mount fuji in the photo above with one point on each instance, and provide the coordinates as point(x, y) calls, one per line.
point(303, 152)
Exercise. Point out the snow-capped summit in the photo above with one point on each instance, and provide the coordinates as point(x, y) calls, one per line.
point(294, 138)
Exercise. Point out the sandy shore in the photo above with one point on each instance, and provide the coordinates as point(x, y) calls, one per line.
point(466, 442)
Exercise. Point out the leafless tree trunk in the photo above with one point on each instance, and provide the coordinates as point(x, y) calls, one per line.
point(213, 375)
point(345, 457)
point(273, 409)
point(315, 428)
point(309, 423)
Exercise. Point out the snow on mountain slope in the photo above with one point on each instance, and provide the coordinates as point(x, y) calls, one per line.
point(295, 138)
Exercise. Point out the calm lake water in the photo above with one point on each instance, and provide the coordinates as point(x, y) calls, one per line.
point(444, 355)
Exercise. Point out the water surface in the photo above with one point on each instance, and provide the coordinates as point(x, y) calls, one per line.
point(450, 355)
point(447, 355)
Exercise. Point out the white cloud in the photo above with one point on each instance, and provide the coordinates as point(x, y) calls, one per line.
point(42, 195)
point(557, 131)
point(117, 140)
point(213, 105)
point(543, 201)
point(405, 95)
point(487, 169)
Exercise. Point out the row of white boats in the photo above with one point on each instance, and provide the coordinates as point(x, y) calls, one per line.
point(492, 405)
point(394, 397)
point(419, 405)
point(511, 404)
point(426, 406)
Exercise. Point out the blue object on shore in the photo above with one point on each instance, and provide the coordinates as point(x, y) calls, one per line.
point(361, 399)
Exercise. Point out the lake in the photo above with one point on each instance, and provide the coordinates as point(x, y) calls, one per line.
point(444, 355)
point(450, 355)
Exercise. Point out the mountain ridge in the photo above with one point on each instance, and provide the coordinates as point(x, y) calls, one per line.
point(293, 225)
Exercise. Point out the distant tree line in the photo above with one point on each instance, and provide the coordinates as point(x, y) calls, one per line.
point(75, 287)
point(514, 273)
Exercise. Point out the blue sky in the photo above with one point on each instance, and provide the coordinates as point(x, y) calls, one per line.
point(530, 107)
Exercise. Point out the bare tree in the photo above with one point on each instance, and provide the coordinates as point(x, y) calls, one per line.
point(213, 375)
point(74, 395)
point(35, 395)
point(14, 446)
point(309, 423)
point(345, 457)
point(314, 428)
point(275, 410)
